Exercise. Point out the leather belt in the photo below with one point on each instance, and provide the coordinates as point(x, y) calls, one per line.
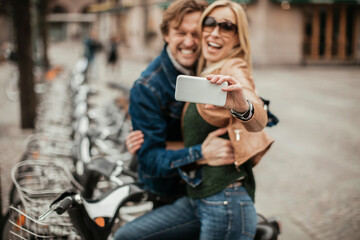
point(235, 184)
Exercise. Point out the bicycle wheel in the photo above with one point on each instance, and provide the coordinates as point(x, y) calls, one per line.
point(14, 195)
point(11, 86)
point(6, 226)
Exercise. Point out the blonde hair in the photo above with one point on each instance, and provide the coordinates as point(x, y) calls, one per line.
point(240, 51)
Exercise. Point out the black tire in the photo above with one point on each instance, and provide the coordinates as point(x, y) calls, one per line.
point(5, 227)
point(265, 232)
point(14, 195)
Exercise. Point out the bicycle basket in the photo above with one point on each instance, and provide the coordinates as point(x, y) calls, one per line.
point(23, 226)
point(40, 182)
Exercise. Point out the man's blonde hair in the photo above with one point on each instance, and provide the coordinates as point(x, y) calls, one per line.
point(177, 10)
point(240, 51)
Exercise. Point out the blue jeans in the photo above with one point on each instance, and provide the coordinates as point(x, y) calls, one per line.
point(227, 215)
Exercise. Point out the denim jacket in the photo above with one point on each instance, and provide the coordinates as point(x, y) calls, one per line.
point(157, 114)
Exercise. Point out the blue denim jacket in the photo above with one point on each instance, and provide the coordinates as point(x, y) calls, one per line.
point(157, 114)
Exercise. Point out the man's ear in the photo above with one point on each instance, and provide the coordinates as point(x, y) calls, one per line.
point(166, 38)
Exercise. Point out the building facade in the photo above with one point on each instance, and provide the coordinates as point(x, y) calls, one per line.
point(282, 32)
point(291, 32)
point(70, 19)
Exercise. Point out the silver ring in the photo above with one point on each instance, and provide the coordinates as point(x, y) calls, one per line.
point(130, 145)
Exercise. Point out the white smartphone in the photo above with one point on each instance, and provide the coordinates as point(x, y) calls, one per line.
point(199, 90)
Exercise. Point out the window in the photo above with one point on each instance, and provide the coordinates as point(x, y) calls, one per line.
point(330, 32)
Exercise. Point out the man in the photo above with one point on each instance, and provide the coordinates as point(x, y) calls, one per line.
point(92, 47)
point(157, 114)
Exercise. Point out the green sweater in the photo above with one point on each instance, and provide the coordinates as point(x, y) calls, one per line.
point(215, 179)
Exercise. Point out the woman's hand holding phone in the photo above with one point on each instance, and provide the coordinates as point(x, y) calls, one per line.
point(235, 99)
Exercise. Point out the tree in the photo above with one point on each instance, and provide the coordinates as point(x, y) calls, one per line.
point(42, 8)
point(22, 25)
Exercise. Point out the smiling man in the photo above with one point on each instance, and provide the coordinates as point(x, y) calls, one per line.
point(155, 112)
point(153, 107)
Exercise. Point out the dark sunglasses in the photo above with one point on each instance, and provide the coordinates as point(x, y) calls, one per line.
point(210, 22)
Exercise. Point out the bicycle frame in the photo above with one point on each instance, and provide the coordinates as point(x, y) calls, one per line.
point(94, 219)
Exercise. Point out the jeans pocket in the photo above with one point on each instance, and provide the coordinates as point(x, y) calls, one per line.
point(249, 220)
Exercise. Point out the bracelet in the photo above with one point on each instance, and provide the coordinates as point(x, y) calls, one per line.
point(245, 116)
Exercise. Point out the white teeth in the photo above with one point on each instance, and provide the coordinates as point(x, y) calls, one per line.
point(184, 51)
point(214, 44)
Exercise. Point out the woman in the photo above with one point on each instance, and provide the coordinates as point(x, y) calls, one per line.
point(221, 206)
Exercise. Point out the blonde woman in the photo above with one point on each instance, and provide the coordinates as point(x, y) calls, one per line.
point(221, 205)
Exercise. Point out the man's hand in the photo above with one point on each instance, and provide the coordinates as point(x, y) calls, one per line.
point(217, 151)
point(136, 138)
point(134, 141)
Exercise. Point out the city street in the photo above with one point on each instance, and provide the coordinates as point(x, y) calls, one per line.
point(310, 178)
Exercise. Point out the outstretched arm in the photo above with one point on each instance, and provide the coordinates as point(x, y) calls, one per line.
point(241, 96)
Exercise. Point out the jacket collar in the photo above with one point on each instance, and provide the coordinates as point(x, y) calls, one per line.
point(170, 70)
point(177, 65)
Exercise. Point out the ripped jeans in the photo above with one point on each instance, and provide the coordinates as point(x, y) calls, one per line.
point(227, 215)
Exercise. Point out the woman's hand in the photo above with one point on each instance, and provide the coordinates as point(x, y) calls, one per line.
point(235, 94)
point(134, 141)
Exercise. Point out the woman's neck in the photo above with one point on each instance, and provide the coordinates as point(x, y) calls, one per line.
point(208, 63)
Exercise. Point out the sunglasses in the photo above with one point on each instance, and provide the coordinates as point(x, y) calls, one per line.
point(209, 24)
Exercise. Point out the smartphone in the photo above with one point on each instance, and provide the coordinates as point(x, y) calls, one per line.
point(199, 90)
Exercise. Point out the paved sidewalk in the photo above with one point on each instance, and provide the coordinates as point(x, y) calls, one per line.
point(311, 176)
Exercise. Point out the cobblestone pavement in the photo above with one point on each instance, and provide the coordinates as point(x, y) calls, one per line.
point(311, 176)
